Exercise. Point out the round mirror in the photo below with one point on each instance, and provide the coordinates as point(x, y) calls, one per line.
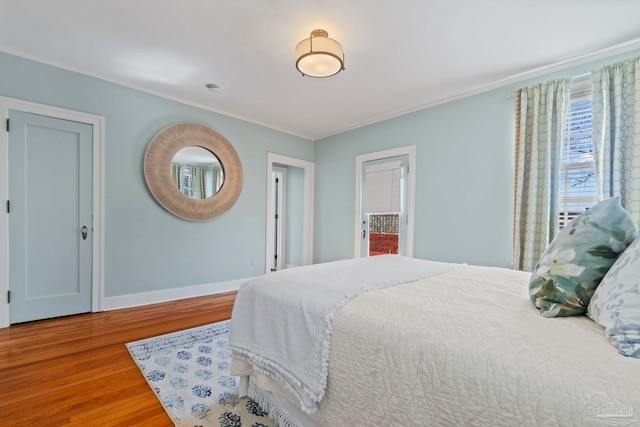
point(214, 176)
point(197, 172)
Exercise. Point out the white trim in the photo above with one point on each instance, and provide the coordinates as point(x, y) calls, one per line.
point(97, 122)
point(617, 49)
point(507, 81)
point(409, 150)
point(309, 172)
point(173, 294)
point(122, 82)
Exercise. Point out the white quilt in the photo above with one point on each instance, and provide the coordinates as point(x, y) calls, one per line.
point(282, 321)
point(467, 348)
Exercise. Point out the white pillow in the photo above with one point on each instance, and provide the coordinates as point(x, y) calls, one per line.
point(616, 302)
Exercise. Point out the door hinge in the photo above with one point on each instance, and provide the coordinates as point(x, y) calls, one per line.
point(8, 297)
point(7, 125)
point(8, 206)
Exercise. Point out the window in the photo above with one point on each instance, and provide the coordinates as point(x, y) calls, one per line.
point(383, 233)
point(382, 187)
point(577, 170)
point(187, 182)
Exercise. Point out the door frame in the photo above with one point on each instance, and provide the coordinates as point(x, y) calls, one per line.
point(309, 171)
point(97, 123)
point(410, 151)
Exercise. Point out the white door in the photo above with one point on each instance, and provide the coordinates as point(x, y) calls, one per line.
point(50, 219)
point(384, 206)
point(278, 217)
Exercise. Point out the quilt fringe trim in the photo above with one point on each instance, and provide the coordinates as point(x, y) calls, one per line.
point(310, 399)
point(277, 372)
point(275, 413)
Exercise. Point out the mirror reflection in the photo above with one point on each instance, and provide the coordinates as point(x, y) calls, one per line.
point(197, 172)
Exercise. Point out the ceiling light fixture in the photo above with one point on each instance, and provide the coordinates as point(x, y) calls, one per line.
point(319, 56)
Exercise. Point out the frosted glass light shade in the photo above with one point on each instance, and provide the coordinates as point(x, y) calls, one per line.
point(319, 56)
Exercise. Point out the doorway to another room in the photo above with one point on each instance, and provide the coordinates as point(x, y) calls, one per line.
point(384, 202)
point(289, 240)
point(287, 216)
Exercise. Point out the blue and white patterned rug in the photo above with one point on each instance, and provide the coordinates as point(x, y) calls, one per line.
point(189, 373)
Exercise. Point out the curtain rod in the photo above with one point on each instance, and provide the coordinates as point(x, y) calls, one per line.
point(573, 79)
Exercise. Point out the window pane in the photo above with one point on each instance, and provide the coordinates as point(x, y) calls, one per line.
point(577, 173)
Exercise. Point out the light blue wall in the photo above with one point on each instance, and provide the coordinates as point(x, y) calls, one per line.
point(464, 180)
point(464, 176)
point(146, 248)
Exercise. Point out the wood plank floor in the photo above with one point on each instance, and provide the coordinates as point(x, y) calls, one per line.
point(76, 370)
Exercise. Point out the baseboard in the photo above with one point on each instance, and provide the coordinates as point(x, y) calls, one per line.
point(155, 297)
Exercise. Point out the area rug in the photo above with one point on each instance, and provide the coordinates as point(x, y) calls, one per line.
point(189, 373)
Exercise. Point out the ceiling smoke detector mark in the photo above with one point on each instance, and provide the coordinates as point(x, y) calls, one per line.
point(213, 87)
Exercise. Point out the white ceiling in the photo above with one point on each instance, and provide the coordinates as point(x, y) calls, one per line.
point(195, 156)
point(400, 55)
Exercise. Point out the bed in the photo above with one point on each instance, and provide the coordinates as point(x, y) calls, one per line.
point(416, 343)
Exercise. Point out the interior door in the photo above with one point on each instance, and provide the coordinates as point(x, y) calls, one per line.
point(277, 216)
point(384, 206)
point(50, 220)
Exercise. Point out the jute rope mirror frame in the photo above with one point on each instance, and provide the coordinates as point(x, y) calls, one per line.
point(157, 171)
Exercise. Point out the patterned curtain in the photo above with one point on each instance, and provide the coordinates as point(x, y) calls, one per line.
point(540, 112)
point(198, 175)
point(616, 133)
point(175, 175)
point(218, 178)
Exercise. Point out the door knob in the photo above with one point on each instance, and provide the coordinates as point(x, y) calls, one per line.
point(84, 232)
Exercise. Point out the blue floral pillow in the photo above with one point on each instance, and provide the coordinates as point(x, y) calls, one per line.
point(616, 302)
point(573, 265)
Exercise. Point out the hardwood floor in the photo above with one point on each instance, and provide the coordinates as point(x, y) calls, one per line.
point(77, 371)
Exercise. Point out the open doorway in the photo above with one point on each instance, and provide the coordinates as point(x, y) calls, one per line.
point(287, 216)
point(384, 206)
point(289, 239)
point(385, 182)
